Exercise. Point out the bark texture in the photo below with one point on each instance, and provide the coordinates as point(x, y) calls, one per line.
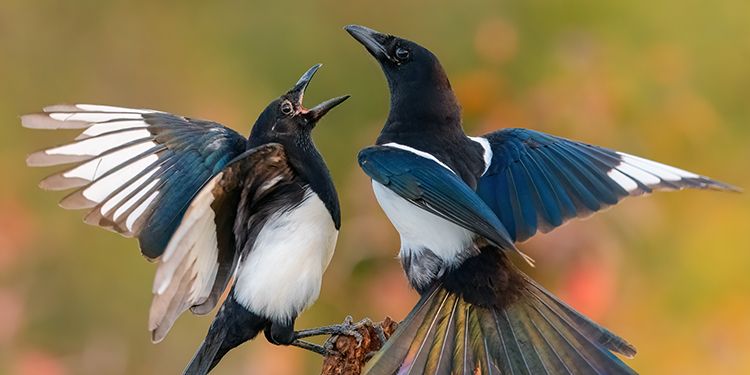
point(348, 356)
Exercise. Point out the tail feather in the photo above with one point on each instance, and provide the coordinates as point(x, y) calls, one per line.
point(590, 329)
point(444, 346)
point(429, 353)
point(232, 326)
point(205, 359)
point(535, 334)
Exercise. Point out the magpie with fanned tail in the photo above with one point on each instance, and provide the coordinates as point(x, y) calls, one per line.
point(461, 203)
point(209, 206)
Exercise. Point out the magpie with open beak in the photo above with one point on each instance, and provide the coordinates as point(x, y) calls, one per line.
point(209, 206)
point(461, 203)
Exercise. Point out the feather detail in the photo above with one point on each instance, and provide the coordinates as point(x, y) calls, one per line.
point(534, 334)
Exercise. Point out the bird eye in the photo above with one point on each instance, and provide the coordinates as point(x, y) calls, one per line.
point(402, 53)
point(286, 107)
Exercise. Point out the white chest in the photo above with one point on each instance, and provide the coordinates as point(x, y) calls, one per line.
point(422, 230)
point(281, 275)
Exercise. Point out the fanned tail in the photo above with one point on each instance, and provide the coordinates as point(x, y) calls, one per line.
point(536, 333)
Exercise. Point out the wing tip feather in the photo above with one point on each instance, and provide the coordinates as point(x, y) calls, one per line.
point(42, 120)
point(76, 201)
point(57, 182)
point(43, 159)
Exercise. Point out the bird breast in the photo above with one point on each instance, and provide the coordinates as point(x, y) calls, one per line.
point(281, 275)
point(421, 230)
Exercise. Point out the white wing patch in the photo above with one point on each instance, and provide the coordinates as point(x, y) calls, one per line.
point(633, 169)
point(118, 161)
point(623, 180)
point(141, 192)
point(663, 171)
point(108, 127)
point(487, 155)
point(93, 116)
point(108, 108)
point(136, 214)
point(98, 166)
point(87, 148)
point(101, 188)
point(418, 152)
point(188, 267)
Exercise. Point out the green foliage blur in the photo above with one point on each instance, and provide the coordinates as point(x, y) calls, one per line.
point(667, 80)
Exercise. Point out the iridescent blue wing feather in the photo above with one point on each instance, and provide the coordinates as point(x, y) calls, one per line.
point(434, 188)
point(536, 182)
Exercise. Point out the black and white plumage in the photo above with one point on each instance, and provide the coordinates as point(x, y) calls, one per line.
point(459, 203)
point(127, 164)
point(209, 206)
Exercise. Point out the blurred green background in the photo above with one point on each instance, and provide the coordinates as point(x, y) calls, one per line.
point(667, 80)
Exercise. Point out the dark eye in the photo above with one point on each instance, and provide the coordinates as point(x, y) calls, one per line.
point(402, 53)
point(286, 108)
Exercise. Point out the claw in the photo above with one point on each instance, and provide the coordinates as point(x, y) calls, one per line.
point(381, 334)
point(329, 344)
point(346, 328)
point(322, 350)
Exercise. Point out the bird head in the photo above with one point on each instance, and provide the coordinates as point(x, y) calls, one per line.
point(286, 121)
point(418, 84)
point(405, 63)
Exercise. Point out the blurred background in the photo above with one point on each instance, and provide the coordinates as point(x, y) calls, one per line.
point(667, 80)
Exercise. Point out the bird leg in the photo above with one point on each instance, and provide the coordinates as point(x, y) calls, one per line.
point(315, 348)
point(346, 328)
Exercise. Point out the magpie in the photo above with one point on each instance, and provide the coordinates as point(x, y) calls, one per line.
point(461, 203)
point(215, 210)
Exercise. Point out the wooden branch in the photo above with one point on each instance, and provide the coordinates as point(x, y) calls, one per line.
point(348, 356)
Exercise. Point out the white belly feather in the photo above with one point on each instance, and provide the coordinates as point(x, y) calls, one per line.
point(422, 230)
point(282, 274)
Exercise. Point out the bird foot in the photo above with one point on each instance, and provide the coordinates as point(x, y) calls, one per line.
point(347, 328)
point(379, 331)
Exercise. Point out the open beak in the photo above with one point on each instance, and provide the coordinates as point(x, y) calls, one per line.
point(316, 113)
point(298, 93)
point(372, 40)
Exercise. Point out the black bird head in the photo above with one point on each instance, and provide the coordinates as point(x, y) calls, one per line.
point(418, 84)
point(403, 61)
point(286, 121)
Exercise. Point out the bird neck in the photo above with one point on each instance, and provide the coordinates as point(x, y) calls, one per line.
point(310, 166)
point(422, 107)
point(425, 115)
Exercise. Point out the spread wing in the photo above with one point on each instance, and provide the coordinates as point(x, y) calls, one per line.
point(135, 170)
point(202, 255)
point(434, 188)
point(536, 181)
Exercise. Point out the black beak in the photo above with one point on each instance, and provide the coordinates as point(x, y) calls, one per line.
point(297, 94)
point(372, 40)
point(316, 113)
